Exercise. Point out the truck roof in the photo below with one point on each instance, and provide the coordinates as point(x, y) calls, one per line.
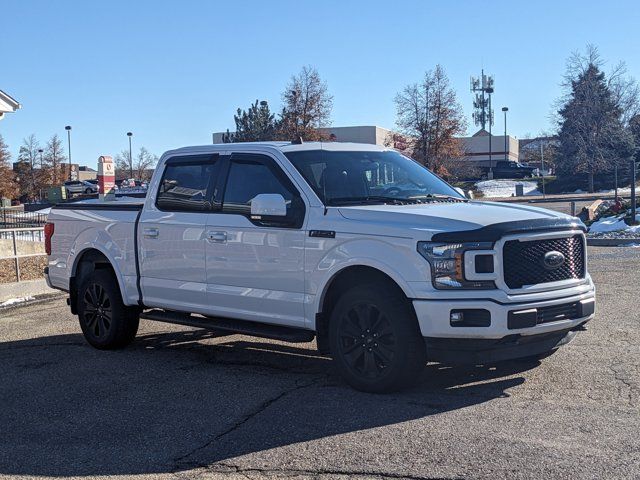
point(283, 147)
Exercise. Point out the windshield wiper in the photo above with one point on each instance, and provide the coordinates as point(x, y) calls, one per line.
point(369, 199)
point(438, 196)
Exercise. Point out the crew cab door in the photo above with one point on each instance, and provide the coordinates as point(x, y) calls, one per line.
point(171, 234)
point(255, 265)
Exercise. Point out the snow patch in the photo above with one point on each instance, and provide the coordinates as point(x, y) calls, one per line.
point(505, 188)
point(614, 224)
point(13, 301)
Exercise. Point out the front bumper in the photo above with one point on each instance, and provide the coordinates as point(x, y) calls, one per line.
point(434, 316)
point(516, 329)
point(476, 352)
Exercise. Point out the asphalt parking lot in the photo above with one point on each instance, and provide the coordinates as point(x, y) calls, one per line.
point(181, 403)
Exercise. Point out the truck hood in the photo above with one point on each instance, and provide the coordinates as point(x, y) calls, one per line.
point(441, 218)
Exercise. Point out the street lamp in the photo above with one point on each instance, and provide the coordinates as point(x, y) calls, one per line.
point(129, 134)
point(490, 91)
point(40, 152)
point(505, 110)
point(68, 129)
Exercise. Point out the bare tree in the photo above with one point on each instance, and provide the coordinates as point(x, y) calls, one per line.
point(143, 164)
point(124, 165)
point(8, 185)
point(53, 160)
point(429, 115)
point(307, 106)
point(28, 177)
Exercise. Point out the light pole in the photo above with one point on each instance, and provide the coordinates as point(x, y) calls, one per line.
point(506, 151)
point(41, 175)
point(68, 129)
point(129, 134)
point(490, 91)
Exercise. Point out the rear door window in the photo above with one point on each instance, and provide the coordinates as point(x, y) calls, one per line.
point(188, 184)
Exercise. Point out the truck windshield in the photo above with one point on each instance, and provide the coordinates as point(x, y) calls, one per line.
point(360, 177)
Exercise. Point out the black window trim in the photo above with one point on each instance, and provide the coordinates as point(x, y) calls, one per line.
point(212, 188)
point(268, 161)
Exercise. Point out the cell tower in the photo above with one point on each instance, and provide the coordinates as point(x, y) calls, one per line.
point(483, 88)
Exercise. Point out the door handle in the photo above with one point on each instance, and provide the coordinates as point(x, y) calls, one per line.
point(151, 233)
point(219, 237)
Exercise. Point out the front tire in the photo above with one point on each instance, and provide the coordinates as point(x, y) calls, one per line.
point(106, 322)
point(375, 339)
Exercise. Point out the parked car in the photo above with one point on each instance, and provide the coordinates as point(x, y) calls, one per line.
point(80, 186)
point(509, 169)
point(381, 262)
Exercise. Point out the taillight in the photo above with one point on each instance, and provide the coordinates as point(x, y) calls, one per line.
point(48, 233)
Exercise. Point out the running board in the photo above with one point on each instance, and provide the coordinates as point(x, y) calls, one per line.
point(228, 326)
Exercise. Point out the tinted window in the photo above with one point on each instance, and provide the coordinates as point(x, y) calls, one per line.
point(248, 178)
point(187, 186)
point(339, 177)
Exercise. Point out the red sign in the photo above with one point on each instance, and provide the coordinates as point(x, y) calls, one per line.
point(106, 176)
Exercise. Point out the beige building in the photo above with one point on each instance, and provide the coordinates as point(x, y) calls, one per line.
point(370, 134)
point(478, 150)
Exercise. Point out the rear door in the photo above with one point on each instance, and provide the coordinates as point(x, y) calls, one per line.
point(255, 266)
point(171, 234)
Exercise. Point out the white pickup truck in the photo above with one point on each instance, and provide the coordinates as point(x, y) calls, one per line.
point(380, 261)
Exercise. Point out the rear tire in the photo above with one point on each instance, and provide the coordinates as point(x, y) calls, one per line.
point(88, 191)
point(375, 340)
point(106, 322)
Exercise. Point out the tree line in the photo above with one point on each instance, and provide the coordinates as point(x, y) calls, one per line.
point(597, 120)
point(39, 167)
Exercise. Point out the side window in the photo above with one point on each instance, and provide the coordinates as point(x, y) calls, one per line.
point(250, 177)
point(188, 186)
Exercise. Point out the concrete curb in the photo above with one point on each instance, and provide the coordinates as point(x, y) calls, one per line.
point(37, 299)
point(612, 242)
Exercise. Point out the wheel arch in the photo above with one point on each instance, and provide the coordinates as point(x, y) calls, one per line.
point(87, 261)
point(338, 283)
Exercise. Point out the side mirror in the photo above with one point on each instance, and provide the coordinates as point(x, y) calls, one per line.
point(469, 194)
point(269, 204)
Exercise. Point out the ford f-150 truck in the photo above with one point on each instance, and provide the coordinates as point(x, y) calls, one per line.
point(364, 250)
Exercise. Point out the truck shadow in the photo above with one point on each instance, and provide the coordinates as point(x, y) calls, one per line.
point(172, 401)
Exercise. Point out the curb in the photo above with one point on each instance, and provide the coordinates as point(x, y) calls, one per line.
point(36, 299)
point(612, 242)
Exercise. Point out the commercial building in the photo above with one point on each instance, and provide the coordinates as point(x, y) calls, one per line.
point(476, 148)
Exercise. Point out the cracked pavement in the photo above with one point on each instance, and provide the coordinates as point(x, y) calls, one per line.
point(182, 404)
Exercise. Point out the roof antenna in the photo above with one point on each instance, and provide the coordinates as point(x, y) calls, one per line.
point(297, 141)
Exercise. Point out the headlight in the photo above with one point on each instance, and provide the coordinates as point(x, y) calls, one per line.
point(447, 264)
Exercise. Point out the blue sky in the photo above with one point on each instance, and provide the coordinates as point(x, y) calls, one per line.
point(173, 72)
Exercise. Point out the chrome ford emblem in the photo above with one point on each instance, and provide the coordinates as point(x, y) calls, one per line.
point(553, 260)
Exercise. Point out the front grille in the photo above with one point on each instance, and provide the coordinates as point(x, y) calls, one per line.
point(553, 313)
point(524, 261)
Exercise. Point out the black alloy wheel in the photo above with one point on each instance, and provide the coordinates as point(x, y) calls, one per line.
point(97, 312)
point(367, 341)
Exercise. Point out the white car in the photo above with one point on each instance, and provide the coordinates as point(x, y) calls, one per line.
point(80, 186)
point(381, 262)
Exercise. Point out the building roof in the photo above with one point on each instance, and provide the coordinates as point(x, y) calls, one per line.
point(8, 103)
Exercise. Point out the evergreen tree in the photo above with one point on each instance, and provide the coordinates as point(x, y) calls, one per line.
point(256, 124)
point(592, 136)
point(8, 185)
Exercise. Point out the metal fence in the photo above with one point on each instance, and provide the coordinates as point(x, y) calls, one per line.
point(22, 254)
point(10, 218)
